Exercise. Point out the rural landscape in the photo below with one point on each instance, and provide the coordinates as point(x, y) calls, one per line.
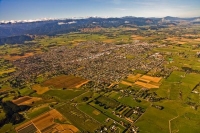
point(101, 75)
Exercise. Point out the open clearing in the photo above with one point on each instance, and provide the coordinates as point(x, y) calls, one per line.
point(64, 81)
point(26, 100)
point(46, 123)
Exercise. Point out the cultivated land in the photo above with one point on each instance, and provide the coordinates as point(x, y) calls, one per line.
point(64, 81)
point(126, 79)
point(26, 100)
point(47, 122)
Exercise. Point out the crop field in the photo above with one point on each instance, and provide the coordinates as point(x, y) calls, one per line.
point(26, 91)
point(64, 94)
point(34, 112)
point(46, 123)
point(78, 118)
point(146, 85)
point(26, 100)
point(126, 83)
point(64, 81)
point(40, 89)
point(142, 80)
point(133, 78)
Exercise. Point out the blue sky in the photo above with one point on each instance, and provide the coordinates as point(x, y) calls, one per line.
point(35, 9)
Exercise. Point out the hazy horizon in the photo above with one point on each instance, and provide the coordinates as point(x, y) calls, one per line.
point(37, 9)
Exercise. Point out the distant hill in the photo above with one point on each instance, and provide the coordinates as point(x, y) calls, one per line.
point(53, 27)
point(15, 39)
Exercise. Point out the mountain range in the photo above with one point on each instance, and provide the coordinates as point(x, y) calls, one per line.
point(8, 29)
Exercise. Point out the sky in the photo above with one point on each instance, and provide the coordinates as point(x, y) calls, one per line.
point(37, 9)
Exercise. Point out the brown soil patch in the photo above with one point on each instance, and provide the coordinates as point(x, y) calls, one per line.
point(40, 89)
point(26, 100)
point(96, 112)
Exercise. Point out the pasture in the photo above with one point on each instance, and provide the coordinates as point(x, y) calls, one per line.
point(108, 102)
point(78, 118)
point(174, 117)
point(179, 85)
point(129, 101)
point(94, 113)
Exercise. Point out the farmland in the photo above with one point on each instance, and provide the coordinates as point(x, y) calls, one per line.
point(64, 81)
point(64, 94)
point(26, 100)
point(45, 123)
point(78, 118)
point(39, 89)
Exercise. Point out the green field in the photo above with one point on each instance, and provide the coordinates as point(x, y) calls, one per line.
point(94, 113)
point(37, 112)
point(26, 91)
point(129, 101)
point(80, 98)
point(64, 94)
point(108, 102)
point(78, 118)
point(178, 85)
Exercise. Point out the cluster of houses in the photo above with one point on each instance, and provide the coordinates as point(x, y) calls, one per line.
point(92, 60)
